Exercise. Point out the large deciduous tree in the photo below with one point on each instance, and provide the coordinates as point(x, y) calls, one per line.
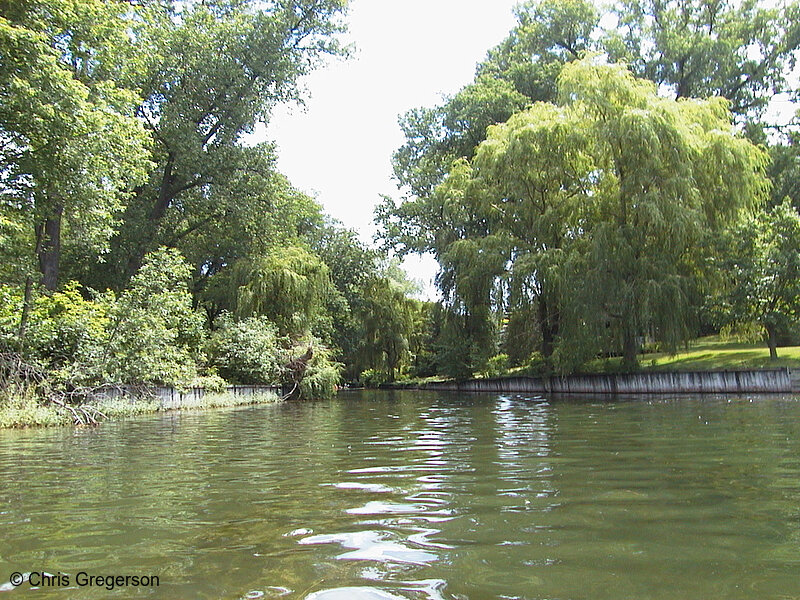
point(762, 268)
point(668, 173)
point(597, 209)
point(520, 70)
point(741, 51)
point(71, 146)
point(537, 169)
point(389, 321)
point(216, 70)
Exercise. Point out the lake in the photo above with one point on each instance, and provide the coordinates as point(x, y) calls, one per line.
point(414, 495)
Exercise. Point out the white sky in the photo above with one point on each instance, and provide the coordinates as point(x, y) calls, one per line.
point(408, 54)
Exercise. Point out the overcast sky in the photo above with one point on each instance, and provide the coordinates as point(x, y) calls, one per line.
point(408, 54)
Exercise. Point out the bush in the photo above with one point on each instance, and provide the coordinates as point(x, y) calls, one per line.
point(155, 336)
point(536, 364)
point(67, 336)
point(496, 366)
point(310, 370)
point(10, 311)
point(211, 383)
point(372, 378)
point(246, 351)
point(26, 412)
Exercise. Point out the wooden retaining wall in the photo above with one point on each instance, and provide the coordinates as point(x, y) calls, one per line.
point(696, 382)
point(170, 397)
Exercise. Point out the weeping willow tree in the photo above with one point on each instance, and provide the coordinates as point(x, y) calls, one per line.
point(667, 174)
point(288, 285)
point(472, 252)
point(389, 321)
point(536, 169)
point(595, 210)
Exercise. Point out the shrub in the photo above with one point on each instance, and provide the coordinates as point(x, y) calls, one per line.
point(536, 364)
point(67, 335)
point(155, 336)
point(372, 378)
point(211, 383)
point(246, 351)
point(497, 365)
point(10, 311)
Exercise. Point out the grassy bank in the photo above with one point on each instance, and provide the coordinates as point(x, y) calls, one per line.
point(708, 354)
point(703, 354)
point(29, 412)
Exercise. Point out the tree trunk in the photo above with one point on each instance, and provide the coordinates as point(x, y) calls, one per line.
point(629, 350)
point(26, 311)
point(548, 339)
point(152, 219)
point(772, 341)
point(48, 248)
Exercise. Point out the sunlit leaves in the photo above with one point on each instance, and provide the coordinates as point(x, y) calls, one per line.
point(762, 263)
point(740, 51)
point(288, 285)
point(70, 142)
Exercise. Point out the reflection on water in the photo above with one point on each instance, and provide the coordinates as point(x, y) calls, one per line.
point(416, 496)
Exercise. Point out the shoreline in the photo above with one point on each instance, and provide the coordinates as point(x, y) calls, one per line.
point(27, 413)
point(768, 381)
point(115, 402)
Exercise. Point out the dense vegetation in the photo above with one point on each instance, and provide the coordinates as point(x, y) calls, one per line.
point(593, 190)
point(144, 240)
point(605, 185)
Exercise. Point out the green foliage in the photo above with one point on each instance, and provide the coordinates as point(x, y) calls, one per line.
point(10, 310)
point(223, 399)
point(603, 197)
point(123, 129)
point(149, 334)
point(246, 351)
point(222, 228)
point(372, 378)
point(211, 383)
point(465, 343)
point(535, 364)
point(28, 412)
point(521, 70)
point(72, 147)
point(763, 266)
point(739, 51)
point(538, 170)
point(67, 335)
point(549, 34)
point(214, 70)
point(496, 366)
point(784, 172)
point(389, 320)
point(670, 173)
point(590, 216)
point(288, 286)
point(392, 326)
point(438, 136)
point(155, 336)
point(351, 266)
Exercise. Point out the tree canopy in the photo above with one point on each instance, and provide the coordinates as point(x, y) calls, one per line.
point(604, 182)
point(580, 177)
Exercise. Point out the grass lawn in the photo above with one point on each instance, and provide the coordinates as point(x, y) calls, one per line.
point(709, 353)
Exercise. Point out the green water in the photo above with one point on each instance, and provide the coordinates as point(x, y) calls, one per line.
point(415, 495)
